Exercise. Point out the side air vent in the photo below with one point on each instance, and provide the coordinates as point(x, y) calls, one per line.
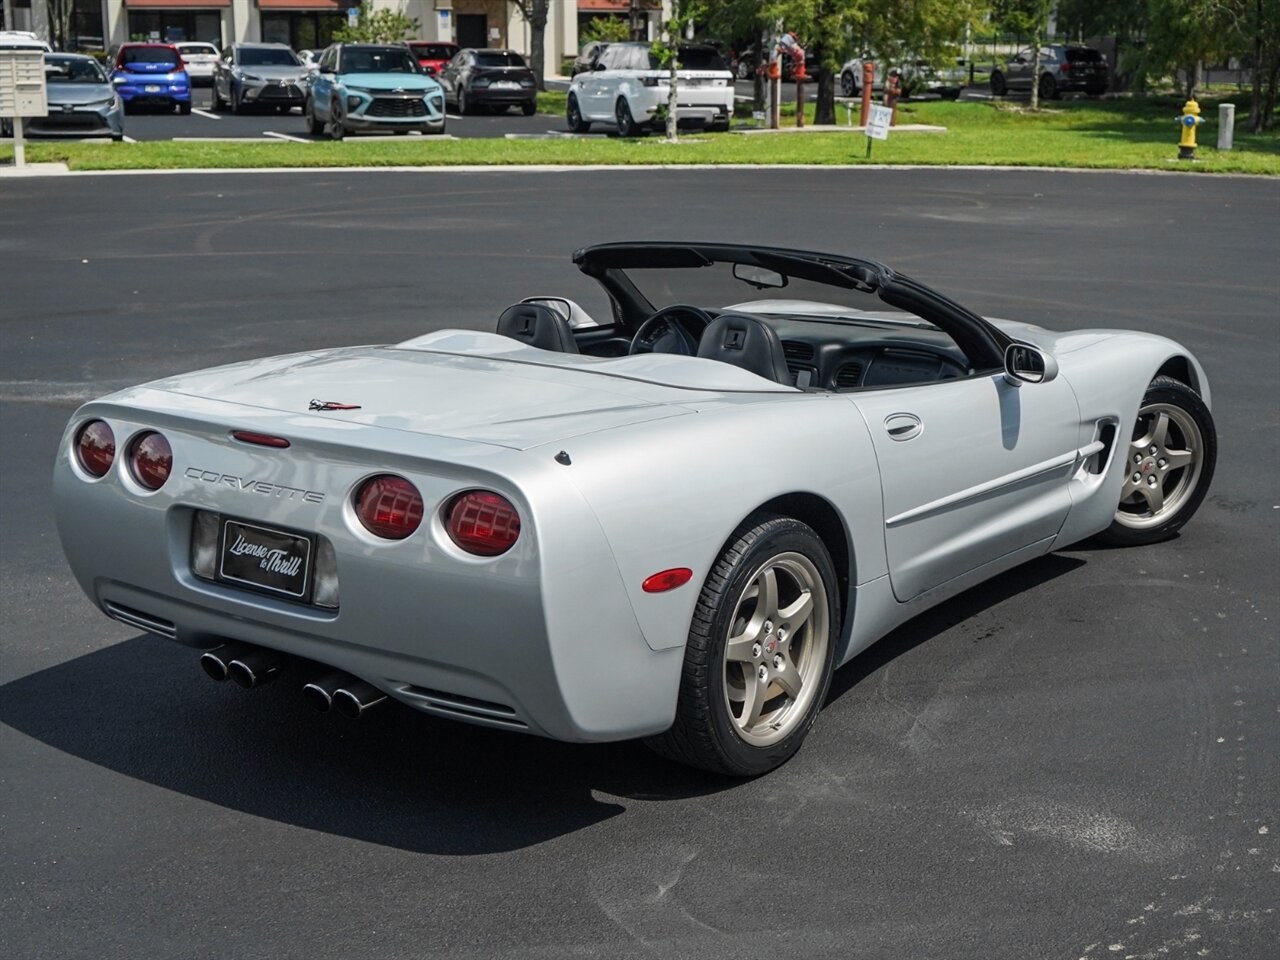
point(468, 707)
point(143, 621)
point(798, 351)
point(849, 375)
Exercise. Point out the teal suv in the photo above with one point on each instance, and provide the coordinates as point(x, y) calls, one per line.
point(363, 87)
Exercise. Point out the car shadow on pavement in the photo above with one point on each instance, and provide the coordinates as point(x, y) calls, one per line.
point(946, 615)
point(143, 708)
point(398, 778)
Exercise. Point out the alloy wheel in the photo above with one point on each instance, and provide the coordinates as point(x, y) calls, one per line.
point(1163, 468)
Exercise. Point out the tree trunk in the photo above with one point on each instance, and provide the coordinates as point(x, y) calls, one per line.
point(1035, 70)
point(1255, 105)
point(824, 110)
point(1269, 102)
point(673, 92)
point(537, 36)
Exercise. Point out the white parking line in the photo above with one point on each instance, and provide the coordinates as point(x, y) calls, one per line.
point(455, 116)
point(205, 113)
point(286, 136)
point(127, 139)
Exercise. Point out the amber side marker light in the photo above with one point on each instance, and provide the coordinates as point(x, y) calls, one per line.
point(667, 580)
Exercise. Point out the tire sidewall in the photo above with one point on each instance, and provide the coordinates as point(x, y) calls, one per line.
point(784, 536)
point(1175, 393)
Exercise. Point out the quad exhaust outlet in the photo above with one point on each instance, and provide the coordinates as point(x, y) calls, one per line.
point(251, 666)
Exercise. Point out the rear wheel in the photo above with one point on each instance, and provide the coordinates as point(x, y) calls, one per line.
point(1048, 87)
point(184, 108)
point(848, 85)
point(998, 85)
point(1169, 465)
point(314, 126)
point(760, 651)
point(529, 108)
point(573, 117)
point(627, 126)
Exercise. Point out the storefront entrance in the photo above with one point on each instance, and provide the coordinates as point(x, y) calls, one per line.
point(172, 26)
point(301, 29)
point(473, 30)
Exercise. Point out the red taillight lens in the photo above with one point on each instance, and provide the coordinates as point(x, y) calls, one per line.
point(389, 507)
point(482, 523)
point(96, 447)
point(151, 459)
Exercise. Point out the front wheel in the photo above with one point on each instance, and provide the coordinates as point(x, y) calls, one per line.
point(759, 656)
point(848, 86)
point(998, 85)
point(337, 130)
point(464, 107)
point(1169, 463)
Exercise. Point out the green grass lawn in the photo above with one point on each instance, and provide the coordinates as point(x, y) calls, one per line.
point(1127, 133)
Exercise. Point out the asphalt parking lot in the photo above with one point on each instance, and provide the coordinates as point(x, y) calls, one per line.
point(1076, 760)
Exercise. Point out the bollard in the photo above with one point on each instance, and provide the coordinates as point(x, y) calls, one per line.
point(1226, 125)
point(868, 80)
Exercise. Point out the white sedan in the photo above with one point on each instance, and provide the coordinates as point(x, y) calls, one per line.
point(199, 59)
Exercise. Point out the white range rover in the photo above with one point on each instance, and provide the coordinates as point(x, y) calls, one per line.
point(629, 88)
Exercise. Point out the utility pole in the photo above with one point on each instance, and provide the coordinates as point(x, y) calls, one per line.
point(637, 31)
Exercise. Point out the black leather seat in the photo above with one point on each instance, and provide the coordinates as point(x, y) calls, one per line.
point(538, 326)
point(746, 342)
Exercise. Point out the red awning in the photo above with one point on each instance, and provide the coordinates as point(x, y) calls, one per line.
point(613, 6)
point(176, 4)
point(330, 5)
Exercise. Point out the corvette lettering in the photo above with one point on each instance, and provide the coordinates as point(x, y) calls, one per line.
point(249, 485)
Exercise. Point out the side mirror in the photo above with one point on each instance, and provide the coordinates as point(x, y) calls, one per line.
point(597, 66)
point(429, 70)
point(1026, 364)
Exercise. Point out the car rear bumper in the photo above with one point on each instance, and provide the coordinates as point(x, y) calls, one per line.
point(491, 97)
point(164, 93)
point(542, 640)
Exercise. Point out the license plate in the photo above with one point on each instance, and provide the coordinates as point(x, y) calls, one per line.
point(265, 559)
point(506, 85)
point(151, 88)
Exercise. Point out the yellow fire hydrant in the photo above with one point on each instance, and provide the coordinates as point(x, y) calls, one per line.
point(1188, 121)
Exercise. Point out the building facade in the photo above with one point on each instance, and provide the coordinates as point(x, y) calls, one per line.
point(303, 24)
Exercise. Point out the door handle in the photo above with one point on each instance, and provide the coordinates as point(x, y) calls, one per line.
point(903, 426)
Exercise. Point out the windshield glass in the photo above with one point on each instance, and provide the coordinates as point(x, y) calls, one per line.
point(716, 288)
point(148, 55)
point(433, 51)
point(267, 57)
point(72, 70)
point(694, 58)
point(377, 60)
point(498, 58)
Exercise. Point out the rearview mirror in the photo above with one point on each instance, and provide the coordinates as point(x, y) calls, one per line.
point(1026, 364)
point(758, 277)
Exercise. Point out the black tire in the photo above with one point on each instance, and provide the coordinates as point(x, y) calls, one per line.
point(216, 103)
point(1049, 88)
point(1095, 91)
point(627, 126)
point(337, 130)
point(998, 85)
point(573, 117)
point(1186, 489)
point(314, 126)
point(185, 108)
point(464, 107)
point(848, 85)
point(529, 108)
point(704, 733)
point(237, 107)
point(722, 127)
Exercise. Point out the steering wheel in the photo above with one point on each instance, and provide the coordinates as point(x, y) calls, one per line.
point(665, 333)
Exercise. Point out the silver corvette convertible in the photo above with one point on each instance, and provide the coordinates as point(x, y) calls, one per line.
point(672, 522)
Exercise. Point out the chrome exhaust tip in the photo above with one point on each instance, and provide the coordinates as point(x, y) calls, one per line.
point(215, 662)
point(353, 699)
point(319, 693)
point(256, 666)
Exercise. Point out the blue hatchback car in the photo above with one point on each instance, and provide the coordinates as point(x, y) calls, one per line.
point(152, 73)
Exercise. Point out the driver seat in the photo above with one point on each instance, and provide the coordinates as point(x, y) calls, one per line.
point(747, 342)
point(538, 326)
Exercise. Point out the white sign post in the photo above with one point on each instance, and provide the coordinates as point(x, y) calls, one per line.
point(23, 92)
point(878, 122)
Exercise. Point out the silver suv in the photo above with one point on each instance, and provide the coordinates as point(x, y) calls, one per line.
point(1062, 68)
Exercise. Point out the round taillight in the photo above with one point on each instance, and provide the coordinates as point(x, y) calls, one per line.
point(482, 523)
point(151, 460)
point(389, 507)
point(96, 447)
